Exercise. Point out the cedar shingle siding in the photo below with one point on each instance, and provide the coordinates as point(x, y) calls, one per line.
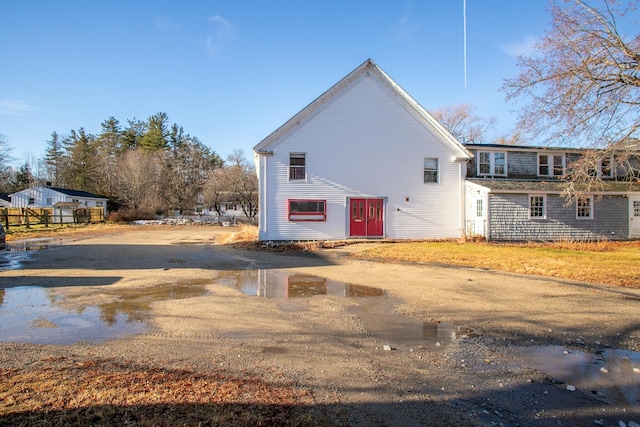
point(509, 217)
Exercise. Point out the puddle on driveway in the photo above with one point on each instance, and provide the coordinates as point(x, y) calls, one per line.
point(612, 375)
point(282, 285)
point(37, 315)
point(390, 329)
point(34, 314)
point(18, 252)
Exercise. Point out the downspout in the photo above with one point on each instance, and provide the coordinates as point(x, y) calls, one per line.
point(263, 198)
point(262, 193)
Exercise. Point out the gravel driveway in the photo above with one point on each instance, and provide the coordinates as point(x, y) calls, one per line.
point(375, 343)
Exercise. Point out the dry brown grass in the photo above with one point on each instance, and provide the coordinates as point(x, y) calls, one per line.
point(242, 234)
point(614, 263)
point(64, 230)
point(107, 393)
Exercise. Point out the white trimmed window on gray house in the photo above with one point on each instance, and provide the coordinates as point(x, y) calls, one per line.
point(584, 207)
point(492, 163)
point(605, 167)
point(550, 165)
point(430, 170)
point(537, 206)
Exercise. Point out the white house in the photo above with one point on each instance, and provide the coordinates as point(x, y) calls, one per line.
point(61, 198)
point(364, 160)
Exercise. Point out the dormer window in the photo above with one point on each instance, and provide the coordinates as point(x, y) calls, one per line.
point(550, 165)
point(606, 167)
point(492, 163)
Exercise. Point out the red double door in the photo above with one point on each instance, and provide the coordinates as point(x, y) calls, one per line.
point(366, 217)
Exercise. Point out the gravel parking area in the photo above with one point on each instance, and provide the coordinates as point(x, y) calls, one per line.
point(369, 342)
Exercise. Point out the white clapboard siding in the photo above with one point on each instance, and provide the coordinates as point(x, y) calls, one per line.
point(364, 142)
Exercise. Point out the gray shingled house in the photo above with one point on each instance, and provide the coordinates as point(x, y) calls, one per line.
point(516, 193)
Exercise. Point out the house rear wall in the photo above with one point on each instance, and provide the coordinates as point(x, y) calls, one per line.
point(509, 215)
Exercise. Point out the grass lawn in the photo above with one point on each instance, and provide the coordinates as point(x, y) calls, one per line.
point(615, 263)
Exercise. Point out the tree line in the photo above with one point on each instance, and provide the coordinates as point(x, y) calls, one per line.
point(580, 85)
point(145, 166)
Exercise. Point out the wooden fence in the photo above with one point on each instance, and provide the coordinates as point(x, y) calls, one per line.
point(14, 217)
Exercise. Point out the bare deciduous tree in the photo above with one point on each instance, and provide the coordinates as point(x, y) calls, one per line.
point(582, 83)
point(236, 182)
point(137, 177)
point(463, 123)
point(5, 168)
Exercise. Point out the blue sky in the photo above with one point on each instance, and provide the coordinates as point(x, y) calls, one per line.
point(231, 72)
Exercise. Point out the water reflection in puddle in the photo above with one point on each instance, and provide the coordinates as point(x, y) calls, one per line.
point(281, 285)
point(612, 375)
point(390, 329)
point(34, 314)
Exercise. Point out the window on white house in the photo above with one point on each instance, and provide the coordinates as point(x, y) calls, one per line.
point(537, 206)
point(307, 210)
point(49, 201)
point(550, 165)
point(584, 207)
point(32, 200)
point(479, 208)
point(430, 170)
point(297, 166)
point(492, 163)
point(99, 204)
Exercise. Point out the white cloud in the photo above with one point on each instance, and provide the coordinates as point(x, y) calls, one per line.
point(14, 107)
point(165, 24)
point(405, 27)
point(524, 47)
point(225, 32)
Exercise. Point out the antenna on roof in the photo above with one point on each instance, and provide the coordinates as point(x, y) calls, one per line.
point(464, 43)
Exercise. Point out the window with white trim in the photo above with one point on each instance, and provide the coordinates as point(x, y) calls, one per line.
point(297, 166)
point(537, 206)
point(584, 207)
point(550, 165)
point(479, 208)
point(307, 210)
point(492, 163)
point(606, 167)
point(430, 170)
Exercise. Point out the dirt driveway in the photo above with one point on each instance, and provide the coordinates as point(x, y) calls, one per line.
point(442, 346)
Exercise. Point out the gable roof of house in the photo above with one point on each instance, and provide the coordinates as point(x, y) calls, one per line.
point(76, 193)
point(366, 67)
